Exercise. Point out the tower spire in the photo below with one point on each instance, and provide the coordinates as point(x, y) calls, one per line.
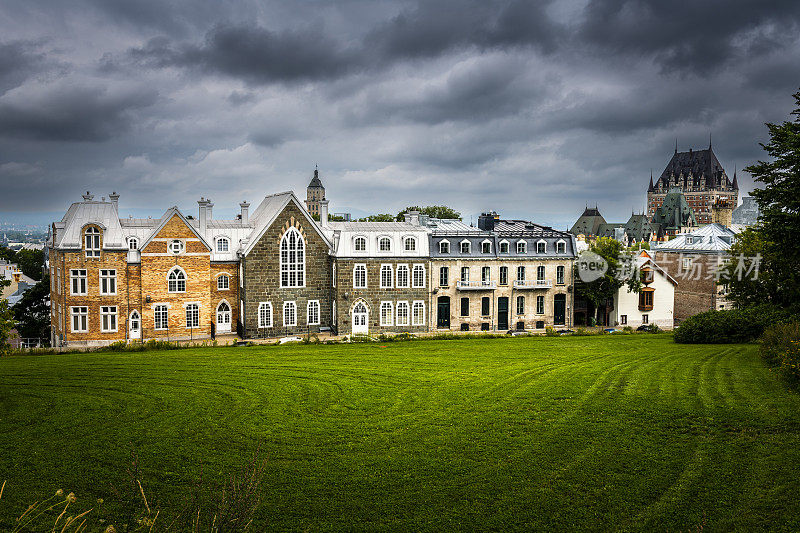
point(709, 140)
point(676, 145)
point(735, 184)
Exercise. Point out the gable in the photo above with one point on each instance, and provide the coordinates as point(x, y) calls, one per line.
point(173, 226)
point(290, 213)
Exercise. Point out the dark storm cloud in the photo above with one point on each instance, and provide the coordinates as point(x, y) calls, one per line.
point(71, 114)
point(18, 61)
point(690, 36)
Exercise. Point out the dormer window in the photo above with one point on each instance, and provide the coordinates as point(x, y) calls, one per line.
point(385, 244)
point(522, 247)
point(689, 239)
point(561, 247)
point(444, 247)
point(503, 247)
point(541, 247)
point(465, 247)
point(133, 243)
point(176, 247)
point(92, 240)
point(486, 247)
point(222, 244)
point(410, 244)
point(360, 244)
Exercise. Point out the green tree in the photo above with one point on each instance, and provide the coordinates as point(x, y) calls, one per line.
point(381, 217)
point(32, 312)
point(743, 288)
point(6, 320)
point(433, 211)
point(599, 291)
point(31, 263)
point(779, 224)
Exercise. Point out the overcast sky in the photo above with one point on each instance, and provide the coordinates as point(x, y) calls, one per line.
point(530, 109)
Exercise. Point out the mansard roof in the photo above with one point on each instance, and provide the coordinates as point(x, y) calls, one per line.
point(591, 222)
point(675, 212)
point(695, 166)
point(103, 214)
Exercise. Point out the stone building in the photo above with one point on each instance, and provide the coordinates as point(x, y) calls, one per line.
point(315, 193)
point(380, 275)
point(746, 214)
point(502, 275)
point(287, 268)
point(693, 260)
point(699, 175)
point(115, 279)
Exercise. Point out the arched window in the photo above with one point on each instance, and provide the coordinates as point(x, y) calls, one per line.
point(289, 314)
point(561, 247)
point(410, 244)
point(312, 312)
point(520, 273)
point(223, 282)
point(223, 316)
point(133, 243)
point(92, 240)
point(264, 315)
point(385, 244)
point(222, 244)
point(176, 280)
point(293, 259)
point(503, 247)
point(360, 244)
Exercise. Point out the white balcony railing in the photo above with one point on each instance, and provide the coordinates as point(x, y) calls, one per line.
point(476, 285)
point(533, 284)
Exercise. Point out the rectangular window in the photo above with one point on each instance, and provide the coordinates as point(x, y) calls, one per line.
point(402, 313)
point(386, 276)
point(402, 276)
point(289, 314)
point(540, 305)
point(645, 319)
point(623, 319)
point(540, 273)
point(58, 281)
point(485, 306)
point(78, 281)
point(464, 306)
point(108, 281)
point(108, 319)
point(560, 275)
point(92, 242)
point(80, 319)
point(561, 247)
point(444, 247)
point(160, 317)
point(646, 299)
point(486, 274)
point(264, 315)
point(386, 314)
point(360, 277)
point(418, 276)
point(464, 274)
point(503, 275)
point(313, 312)
point(486, 247)
point(465, 247)
point(444, 277)
point(504, 247)
point(418, 313)
point(521, 247)
point(520, 305)
point(541, 247)
point(192, 316)
point(334, 274)
point(520, 273)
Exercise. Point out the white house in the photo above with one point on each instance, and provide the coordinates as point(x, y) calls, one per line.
point(654, 304)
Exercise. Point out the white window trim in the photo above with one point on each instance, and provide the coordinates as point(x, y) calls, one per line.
point(355, 267)
point(486, 241)
point(524, 246)
point(85, 278)
point(408, 276)
point(500, 246)
point(168, 306)
point(541, 241)
point(229, 281)
point(185, 280)
point(291, 303)
point(308, 313)
point(116, 319)
point(280, 259)
point(185, 307)
point(403, 242)
point(415, 302)
point(469, 246)
point(391, 280)
point(378, 243)
point(100, 281)
point(357, 251)
point(560, 242)
point(413, 268)
point(130, 239)
point(544, 306)
point(171, 251)
point(397, 313)
point(448, 246)
point(72, 318)
point(268, 306)
point(380, 313)
point(217, 242)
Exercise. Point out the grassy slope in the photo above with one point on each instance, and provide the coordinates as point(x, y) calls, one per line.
point(629, 432)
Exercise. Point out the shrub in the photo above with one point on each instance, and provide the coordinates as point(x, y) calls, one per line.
point(550, 331)
point(780, 347)
point(735, 325)
point(628, 330)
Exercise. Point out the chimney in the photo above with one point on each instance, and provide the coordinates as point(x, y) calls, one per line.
point(202, 204)
point(209, 206)
point(411, 217)
point(323, 213)
point(114, 198)
point(486, 220)
point(245, 213)
point(88, 196)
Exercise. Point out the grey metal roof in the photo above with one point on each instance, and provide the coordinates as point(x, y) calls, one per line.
point(712, 238)
point(80, 214)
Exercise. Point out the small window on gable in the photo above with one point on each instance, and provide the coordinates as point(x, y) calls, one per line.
point(176, 246)
point(444, 247)
point(223, 244)
point(385, 244)
point(92, 241)
point(465, 247)
point(360, 244)
point(133, 243)
point(522, 247)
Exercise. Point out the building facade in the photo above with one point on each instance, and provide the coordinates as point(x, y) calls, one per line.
point(701, 178)
point(653, 304)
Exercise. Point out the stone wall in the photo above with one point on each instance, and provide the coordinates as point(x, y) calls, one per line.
point(697, 289)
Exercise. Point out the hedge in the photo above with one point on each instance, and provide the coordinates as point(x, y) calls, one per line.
point(730, 326)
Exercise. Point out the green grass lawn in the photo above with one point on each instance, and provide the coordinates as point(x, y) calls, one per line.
point(614, 432)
